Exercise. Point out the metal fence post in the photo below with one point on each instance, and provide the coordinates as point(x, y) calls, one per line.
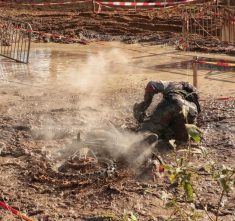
point(93, 5)
point(195, 69)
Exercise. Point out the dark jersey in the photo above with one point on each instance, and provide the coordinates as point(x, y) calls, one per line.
point(167, 88)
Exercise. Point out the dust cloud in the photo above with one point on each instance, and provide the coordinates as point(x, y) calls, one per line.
point(91, 80)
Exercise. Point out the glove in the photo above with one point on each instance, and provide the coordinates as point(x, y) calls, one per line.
point(139, 115)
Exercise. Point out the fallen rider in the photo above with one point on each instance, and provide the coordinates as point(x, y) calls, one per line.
point(168, 119)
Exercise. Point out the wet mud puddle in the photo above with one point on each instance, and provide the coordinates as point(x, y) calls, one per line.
point(55, 65)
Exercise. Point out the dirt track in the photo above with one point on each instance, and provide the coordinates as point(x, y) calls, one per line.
point(36, 123)
point(29, 183)
point(128, 28)
point(40, 123)
point(77, 23)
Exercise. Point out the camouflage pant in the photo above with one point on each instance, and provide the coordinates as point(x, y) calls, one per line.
point(168, 120)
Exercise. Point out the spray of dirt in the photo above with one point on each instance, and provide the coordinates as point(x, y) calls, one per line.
point(91, 81)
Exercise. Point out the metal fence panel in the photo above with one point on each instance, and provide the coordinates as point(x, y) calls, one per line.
point(210, 22)
point(15, 37)
point(228, 29)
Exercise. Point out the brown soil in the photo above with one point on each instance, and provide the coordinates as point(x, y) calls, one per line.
point(29, 182)
point(77, 23)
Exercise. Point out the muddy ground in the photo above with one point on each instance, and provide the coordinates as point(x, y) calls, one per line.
point(39, 126)
point(40, 122)
point(29, 183)
point(78, 23)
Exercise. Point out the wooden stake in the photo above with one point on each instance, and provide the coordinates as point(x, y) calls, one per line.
point(194, 65)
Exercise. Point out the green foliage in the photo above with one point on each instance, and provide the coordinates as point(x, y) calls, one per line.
point(109, 216)
point(187, 186)
point(225, 177)
point(128, 217)
point(209, 167)
point(124, 217)
point(132, 217)
point(183, 170)
point(193, 132)
point(195, 216)
point(183, 177)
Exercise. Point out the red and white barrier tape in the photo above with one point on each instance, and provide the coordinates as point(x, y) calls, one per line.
point(225, 98)
point(106, 6)
point(218, 63)
point(14, 211)
point(48, 3)
point(222, 99)
point(144, 3)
